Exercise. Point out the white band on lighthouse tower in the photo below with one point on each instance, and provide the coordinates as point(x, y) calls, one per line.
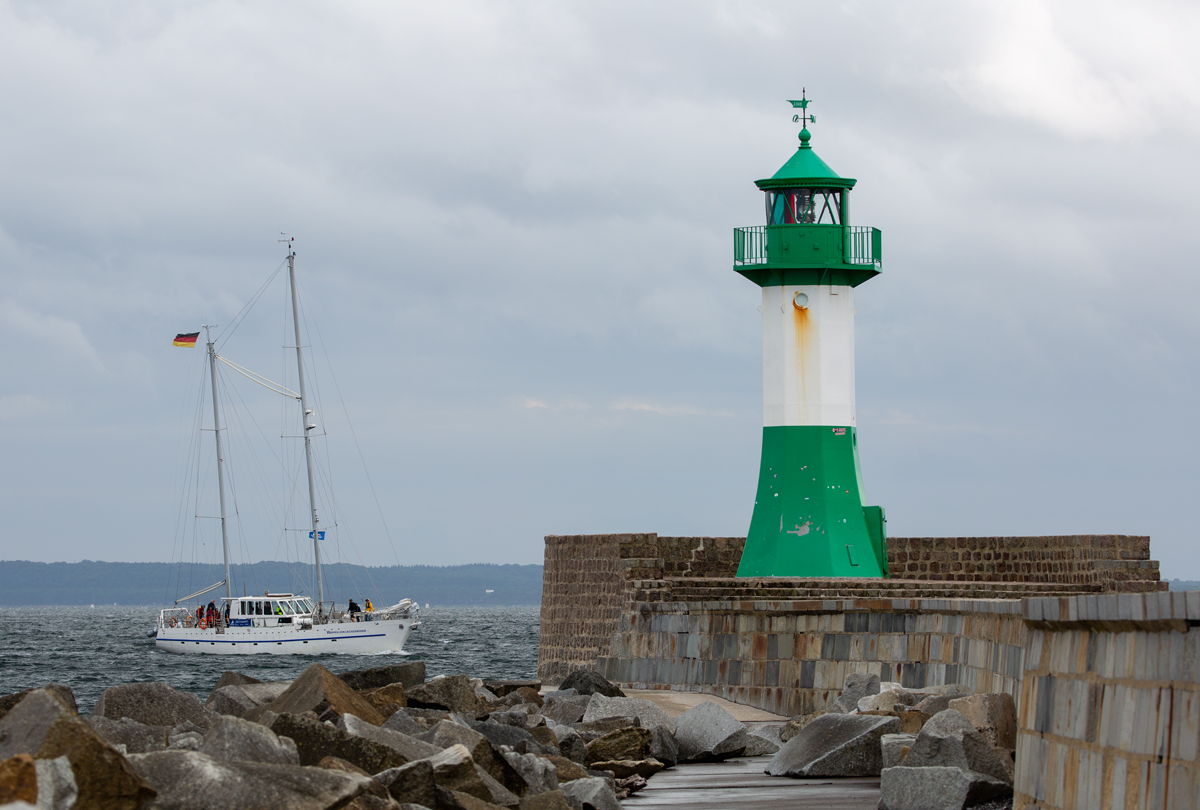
point(808, 356)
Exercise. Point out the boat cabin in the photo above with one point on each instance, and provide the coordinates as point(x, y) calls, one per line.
point(267, 610)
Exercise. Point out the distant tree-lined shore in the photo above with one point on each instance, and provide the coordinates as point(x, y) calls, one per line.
point(89, 582)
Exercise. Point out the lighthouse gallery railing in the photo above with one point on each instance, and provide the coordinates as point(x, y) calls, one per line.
point(863, 245)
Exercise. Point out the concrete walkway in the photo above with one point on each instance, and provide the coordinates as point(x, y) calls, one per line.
point(741, 784)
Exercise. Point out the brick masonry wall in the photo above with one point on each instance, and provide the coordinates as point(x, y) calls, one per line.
point(583, 595)
point(1115, 562)
point(792, 657)
point(1109, 715)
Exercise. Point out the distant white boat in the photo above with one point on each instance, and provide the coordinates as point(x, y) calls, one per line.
point(278, 623)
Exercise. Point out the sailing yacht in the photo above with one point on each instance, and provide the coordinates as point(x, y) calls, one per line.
point(278, 623)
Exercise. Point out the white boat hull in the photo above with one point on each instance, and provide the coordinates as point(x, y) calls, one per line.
point(285, 639)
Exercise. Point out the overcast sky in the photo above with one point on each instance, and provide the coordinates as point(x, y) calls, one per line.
point(513, 226)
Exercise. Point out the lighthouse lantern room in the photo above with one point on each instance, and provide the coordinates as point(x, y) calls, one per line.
point(809, 519)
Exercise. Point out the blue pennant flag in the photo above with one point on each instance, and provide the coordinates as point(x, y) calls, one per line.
point(322, 537)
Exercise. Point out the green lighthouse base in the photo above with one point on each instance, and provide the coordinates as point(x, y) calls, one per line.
point(809, 520)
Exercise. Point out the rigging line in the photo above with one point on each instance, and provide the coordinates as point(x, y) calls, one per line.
point(273, 505)
point(258, 378)
point(266, 441)
point(180, 533)
point(354, 435)
point(227, 333)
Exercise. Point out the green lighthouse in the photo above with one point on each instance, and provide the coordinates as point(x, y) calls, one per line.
point(809, 519)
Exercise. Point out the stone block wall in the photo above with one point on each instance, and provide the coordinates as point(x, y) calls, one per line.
point(592, 581)
point(583, 595)
point(791, 657)
point(1115, 562)
point(1109, 713)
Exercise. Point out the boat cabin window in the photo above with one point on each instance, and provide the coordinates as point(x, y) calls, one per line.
point(286, 607)
point(804, 206)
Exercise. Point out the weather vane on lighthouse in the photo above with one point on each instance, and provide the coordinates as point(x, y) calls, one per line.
point(804, 117)
point(809, 519)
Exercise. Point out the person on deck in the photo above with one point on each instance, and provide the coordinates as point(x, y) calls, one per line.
point(353, 609)
point(370, 607)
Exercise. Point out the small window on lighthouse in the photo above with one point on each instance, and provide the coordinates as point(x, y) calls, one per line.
point(800, 300)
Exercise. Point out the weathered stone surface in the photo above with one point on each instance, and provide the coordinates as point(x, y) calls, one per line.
point(502, 688)
point(566, 769)
point(552, 800)
point(319, 690)
point(341, 765)
point(663, 747)
point(757, 746)
point(934, 704)
point(895, 748)
point(708, 732)
point(408, 674)
point(316, 740)
point(630, 784)
point(949, 739)
point(152, 704)
point(599, 707)
point(426, 718)
point(538, 773)
point(522, 695)
point(623, 768)
point(952, 689)
point(886, 701)
point(524, 716)
point(856, 687)
point(231, 678)
point(626, 743)
point(993, 715)
point(56, 786)
point(18, 780)
point(188, 780)
point(598, 728)
point(913, 720)
point(385, 695)
point(795, 724)
point(64, 693)
point(402, 722)
point(136, 737)
point(835, 745)
point(518, 739)
point(448, 733)
point(185, 740)
point(592, 793)
point(937, 788)
point(234, 739)
point(590, 682)
point(457, 800)
point(544, 737)
point(572, 746)
point(410, 748)
point(44, 727)
point(455, 770)
point(452, 693)
point(411, 783)
point(239, 699)
point(566, 709)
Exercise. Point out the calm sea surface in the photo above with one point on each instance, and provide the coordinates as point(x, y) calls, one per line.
point(91, 649)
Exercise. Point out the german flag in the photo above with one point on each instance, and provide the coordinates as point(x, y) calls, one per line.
point(187, 340)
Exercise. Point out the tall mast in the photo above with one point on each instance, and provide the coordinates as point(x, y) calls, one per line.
point(212, 369)
point(312, 492)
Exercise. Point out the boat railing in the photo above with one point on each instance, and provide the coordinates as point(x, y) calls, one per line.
point(186, 617)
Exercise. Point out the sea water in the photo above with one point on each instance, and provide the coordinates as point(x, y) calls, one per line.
point(91, 649)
